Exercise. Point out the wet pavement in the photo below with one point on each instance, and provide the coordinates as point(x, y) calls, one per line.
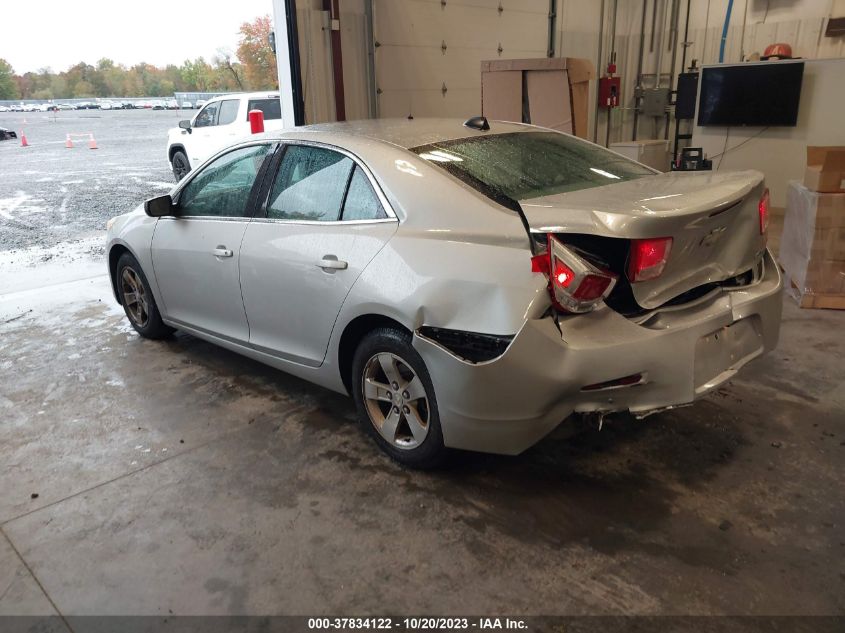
point(176, 477)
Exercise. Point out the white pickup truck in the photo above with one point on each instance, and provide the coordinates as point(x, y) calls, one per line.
point(218, 124)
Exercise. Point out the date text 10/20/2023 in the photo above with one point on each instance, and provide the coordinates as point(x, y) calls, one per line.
point(412, 624)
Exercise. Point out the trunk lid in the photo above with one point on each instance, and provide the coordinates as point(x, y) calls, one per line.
point(713, 219)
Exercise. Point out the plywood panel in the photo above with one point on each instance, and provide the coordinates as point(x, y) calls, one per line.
point(807, 42)
point(353, 38)
point(502, 95)
point(788, 32)
point(548, 96)
point(315, 52)
point(763, 35)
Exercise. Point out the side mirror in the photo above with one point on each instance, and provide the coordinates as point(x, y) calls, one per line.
point(159, 207)
point(185, 125)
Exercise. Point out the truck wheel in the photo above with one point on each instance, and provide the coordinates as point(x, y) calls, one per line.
point(180, 165)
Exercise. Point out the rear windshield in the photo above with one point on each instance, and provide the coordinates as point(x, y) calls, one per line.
point(525, 165)
point(272, 108)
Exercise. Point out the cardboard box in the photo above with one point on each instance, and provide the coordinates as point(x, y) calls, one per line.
point(830, 210)
point(812, 247)
point(825, 171)
point(553, 92)
point(825, 277)
point(829, 244)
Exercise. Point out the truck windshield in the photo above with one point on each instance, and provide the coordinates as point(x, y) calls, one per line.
point(526, 165)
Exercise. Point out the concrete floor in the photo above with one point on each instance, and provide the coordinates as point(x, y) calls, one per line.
point(142, 477)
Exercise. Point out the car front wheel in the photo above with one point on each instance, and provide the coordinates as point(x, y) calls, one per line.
point(395, 399)
point(180, 165)
point(137, 299)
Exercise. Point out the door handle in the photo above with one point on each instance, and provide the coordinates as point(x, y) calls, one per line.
point(330, 262)
point(222, 251)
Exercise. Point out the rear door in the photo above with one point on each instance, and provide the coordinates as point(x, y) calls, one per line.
point(195, 253)
point(325, 219)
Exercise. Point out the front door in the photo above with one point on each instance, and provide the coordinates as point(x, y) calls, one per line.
point(195, 253)
point(323, 225)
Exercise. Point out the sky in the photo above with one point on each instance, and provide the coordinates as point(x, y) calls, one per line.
point(60, 33)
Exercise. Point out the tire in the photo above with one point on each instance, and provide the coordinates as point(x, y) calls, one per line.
point(137, 299)
point(180, 165)
point(401, 414)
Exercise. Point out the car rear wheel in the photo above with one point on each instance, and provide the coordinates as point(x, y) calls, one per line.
point(395, 399)
point(180, 165)
point(138, 301)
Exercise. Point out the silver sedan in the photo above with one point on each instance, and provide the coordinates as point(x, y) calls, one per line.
point(470, 285)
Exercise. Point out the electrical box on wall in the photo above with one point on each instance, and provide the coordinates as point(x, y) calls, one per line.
point(655, 101)
point(609, 90)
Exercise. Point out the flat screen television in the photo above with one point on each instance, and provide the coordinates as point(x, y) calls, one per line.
point(764, 94)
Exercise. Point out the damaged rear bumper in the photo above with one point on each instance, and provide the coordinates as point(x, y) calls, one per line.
point(508, 404)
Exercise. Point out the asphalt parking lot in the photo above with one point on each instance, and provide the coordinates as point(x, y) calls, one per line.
point(178, 478)
point(50, 194)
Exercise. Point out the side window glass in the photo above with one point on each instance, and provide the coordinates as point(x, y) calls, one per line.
point(310, 184)
point(361, 201)
point(228, 111)
point(272, 108)
point(207, 115)
point(222, 188)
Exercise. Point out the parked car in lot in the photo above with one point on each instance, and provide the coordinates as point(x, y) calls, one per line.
point(187, 105)
point(6, 135)
point(64, 106)
point(469, 286)
point(216, 125)
point(105, 105)
point(4, 108)
point(157, 105)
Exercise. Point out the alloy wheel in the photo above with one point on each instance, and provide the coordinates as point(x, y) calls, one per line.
point(396, 401)
point(134, 297)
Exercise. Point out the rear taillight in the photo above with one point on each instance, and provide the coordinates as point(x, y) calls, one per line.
point(763, 208)
point(648, 258)
point(575, 284)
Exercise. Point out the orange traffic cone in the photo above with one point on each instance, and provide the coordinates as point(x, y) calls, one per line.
point(68, 142)
point(24, 142)
point(92, 144)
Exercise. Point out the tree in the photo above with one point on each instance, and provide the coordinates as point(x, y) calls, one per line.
point(254, 52)
point(197, 75)
point(223, 60)
point(8, 85)
point(254, 66)
point(83, 89)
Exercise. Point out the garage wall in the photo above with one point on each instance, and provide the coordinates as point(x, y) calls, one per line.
point(422, 46)
point(754, 25)
point(780, 152)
